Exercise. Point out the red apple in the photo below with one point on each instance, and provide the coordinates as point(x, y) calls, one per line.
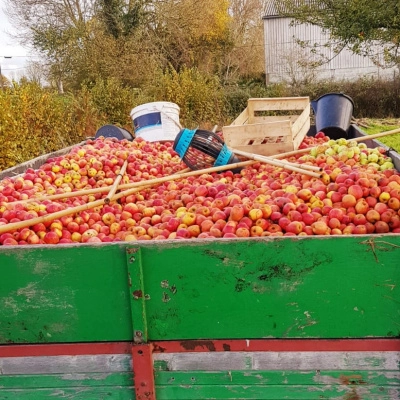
point(51, 238)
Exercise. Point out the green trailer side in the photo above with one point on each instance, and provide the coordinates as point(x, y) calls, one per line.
point(198, 295)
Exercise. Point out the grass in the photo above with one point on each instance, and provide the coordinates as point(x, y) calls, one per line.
point(372, 126)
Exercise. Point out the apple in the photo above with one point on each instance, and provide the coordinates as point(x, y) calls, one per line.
point(108, 218)
point(51, 238)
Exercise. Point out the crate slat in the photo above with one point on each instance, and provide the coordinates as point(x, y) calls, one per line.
point(271, 134)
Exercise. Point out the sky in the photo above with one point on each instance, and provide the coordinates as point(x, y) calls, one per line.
point(12, 68)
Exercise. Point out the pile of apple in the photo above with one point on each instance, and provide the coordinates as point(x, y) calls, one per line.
point(358, 193)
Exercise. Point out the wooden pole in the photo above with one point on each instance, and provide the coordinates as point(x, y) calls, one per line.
point(116, 183)
point(138, 187)
point(268, 160)
point(358, 139)
point(377, 135)
point(281, 164)
point(51, 217)
point(180, 175)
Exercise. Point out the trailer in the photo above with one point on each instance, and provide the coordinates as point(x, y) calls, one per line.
point(311, 317)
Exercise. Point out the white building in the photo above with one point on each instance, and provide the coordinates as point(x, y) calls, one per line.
point(288, 61)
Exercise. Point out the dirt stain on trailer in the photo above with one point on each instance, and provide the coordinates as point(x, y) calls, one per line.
point(282, 271)
point(191, 345)
point(228, 260)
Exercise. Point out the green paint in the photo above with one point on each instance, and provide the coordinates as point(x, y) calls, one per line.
point(319, 287)
point(275, 392)
point(280, 288)
point(64, 294)
point(254, 378)
point(87, 393)
point(342, 287)
point(137, 294)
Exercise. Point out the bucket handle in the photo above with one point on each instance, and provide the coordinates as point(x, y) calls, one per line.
point(171, 119)
point(314, 106)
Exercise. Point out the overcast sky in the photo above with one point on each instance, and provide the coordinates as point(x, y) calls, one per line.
point(12, 68)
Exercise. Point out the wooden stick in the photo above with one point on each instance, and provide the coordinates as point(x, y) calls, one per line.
point(358, 139)
point(267, 160)
point(305, 166)
point(281, 164)
point(181, 175)
point(68, 211)
point(151, 182)
point(377, 135)
point(116, 183)
point(49, 217)
point(83, 192)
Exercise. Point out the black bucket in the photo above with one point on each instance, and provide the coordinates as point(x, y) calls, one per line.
point(114, 131)
point(333, 112)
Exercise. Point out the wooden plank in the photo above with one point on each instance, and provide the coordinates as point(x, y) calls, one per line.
point(143, 371)
point(101, 376)
point(281, 377)
point(299, 288)
point(137, 294)
point(65, 349)
point(267, 149)
point(302, 124)
point(64, 294)
point(274, 392)
point(102, 363)
point(242, 118)
point(236, 136)
point(78, 393)
point(278, 345)
point(281, 384)
point(277, 103)
point(301, 135)
point(68, 380)
point(311, 287)
point(273, 361)
point(275, 118)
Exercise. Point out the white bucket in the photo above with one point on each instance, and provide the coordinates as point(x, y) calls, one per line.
point(158, 121)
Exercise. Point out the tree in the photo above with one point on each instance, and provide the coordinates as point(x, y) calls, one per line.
point(54, 28)
point(370, 28)
point(246, 57)
point(121, 18)
point(82, 41)
point(36, 72)
point(191, 33)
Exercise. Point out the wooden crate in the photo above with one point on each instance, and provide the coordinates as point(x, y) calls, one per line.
point(268, 135)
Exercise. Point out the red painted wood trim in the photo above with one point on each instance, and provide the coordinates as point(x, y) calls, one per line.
point(143, 374)
point(32, 350)
point(65, 349)
point(278, 345)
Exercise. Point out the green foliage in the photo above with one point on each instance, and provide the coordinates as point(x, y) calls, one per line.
point(392, 141)
point(374, 98)
point(111, 100)
point(117, 20)
point(34, 121)
point(198, 95)
point(236, 96)
point(367, 27)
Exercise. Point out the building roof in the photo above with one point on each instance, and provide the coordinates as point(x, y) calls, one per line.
point(271, 9)
point(274, 8)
